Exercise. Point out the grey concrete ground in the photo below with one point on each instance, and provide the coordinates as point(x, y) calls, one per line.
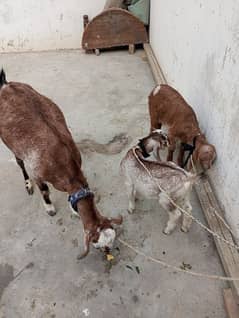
point(100, 97)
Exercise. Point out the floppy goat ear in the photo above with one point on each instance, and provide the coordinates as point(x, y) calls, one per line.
point(87, 247)
point(117, 220)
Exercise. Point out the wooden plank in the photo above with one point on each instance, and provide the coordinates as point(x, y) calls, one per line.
point(228, 255)
point(131, 49)
point(155, 67)
point(232, 308)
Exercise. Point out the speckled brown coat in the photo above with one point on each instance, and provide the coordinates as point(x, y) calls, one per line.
point(152, 179)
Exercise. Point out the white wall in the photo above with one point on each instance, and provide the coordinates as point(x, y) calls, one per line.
point(197, 45)
point(44, 24)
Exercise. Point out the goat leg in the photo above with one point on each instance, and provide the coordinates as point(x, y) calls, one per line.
point(87, 247)
point(173, 213)
point(172, 147)
point(28, 182)
point(170, 155)
point(50, 209)
point(131, 195)
point(180, 156)
point(187, 221)
point(172, 221)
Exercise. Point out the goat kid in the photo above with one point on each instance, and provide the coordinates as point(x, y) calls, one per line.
point(35, 130)
point(167, 107)
point(175, 181)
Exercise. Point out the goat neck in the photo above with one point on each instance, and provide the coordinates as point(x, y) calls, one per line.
point(98, 229)
point(88, 213)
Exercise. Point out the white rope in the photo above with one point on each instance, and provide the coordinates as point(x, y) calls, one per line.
point(175, 268)
point(222, 220)
point(181, 209)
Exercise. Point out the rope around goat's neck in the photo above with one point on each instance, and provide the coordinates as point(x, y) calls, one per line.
point(175, 268)
point(183, 210)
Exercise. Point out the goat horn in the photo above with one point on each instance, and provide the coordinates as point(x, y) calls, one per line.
point(87, 247)
point(117, 220)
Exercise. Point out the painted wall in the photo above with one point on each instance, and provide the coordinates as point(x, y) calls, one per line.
point(44, 25)
point(197, 45)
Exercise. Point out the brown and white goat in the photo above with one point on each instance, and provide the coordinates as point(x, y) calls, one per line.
point(175, 181)
point(35, 130)
point(167, 107)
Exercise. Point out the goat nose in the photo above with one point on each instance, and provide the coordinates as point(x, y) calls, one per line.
point(106, 249)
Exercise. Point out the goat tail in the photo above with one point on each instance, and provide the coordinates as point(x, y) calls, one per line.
point(2, 78)
point(114, 146)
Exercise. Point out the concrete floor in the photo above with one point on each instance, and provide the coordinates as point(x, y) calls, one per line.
point(100, 97)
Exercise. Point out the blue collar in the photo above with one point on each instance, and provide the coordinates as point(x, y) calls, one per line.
point(79, 195)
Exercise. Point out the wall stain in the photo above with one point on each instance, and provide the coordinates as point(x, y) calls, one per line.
point(10, 43)
point(227, 50)
point(114, 146)
point(6, 277)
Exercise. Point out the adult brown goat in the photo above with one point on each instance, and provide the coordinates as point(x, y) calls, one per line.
point(35, 130)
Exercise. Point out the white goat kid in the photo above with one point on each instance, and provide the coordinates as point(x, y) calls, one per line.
point(167, 176)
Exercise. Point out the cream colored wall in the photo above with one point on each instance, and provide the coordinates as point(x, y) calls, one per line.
point(29, 25)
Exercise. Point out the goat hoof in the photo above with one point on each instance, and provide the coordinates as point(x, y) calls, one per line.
point(184, 229)
point(166, 231)
point(30, 191)
point(130, 211)
point(51, 213)
point(79, 257)
point(50, 209)
point(29, 187)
